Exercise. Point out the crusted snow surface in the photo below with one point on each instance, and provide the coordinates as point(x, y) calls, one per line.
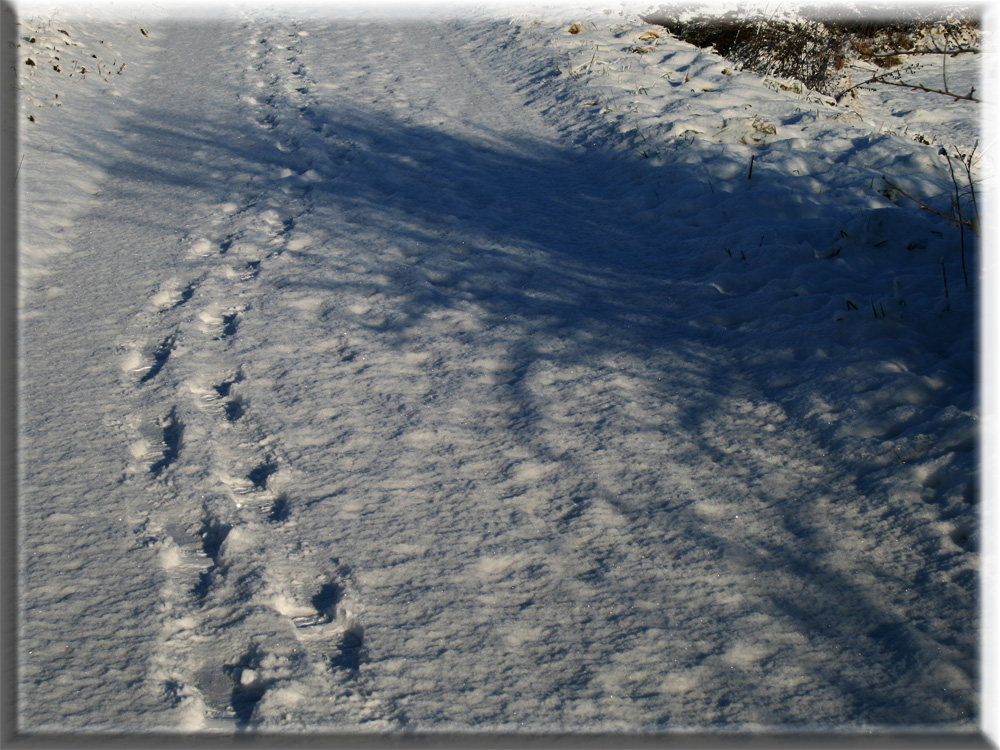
point(464, 373)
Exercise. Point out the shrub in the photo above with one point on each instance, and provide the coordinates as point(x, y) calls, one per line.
point(813, 50)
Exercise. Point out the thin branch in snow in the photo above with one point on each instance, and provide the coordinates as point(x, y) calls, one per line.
point(968, 97)
point(948, 52)
point(960, 219)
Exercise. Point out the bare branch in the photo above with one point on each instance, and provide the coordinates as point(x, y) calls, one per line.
point(876, 78)
point(948, 52)
point(967, 163)
point(960, 219)
point(967, 97)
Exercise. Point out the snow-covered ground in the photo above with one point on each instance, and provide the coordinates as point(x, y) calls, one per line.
point(458, 372)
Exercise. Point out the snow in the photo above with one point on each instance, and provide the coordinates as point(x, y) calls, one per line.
point(454, 372)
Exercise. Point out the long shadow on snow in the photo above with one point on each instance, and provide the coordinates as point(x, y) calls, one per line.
point(539, 241)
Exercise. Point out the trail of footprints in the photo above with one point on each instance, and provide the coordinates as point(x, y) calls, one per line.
point(218, 482)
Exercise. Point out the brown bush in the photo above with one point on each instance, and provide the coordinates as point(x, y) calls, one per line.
point(812, 50)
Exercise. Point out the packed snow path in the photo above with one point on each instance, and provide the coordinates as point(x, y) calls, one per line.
point(375, 404)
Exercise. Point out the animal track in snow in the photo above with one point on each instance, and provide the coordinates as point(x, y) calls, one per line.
point(268, 121)
point(250, 682)
point(172, 295)
point(159, 444)
point(260, 474)
point(233, 408)
point(279, 510)
point(213, 533)
point(229, 324)
point(253, 490)
point(248, 271)
point(151, 362)
point(220, 323)
point(173, 431)
point(220, 397)
point(201, 248)
point(221, 681)
point(962, 536)
point(350, 651)
point(323, 611)
point(241, 623)
point(328, 625)
point(329, 602)
point(191, 557)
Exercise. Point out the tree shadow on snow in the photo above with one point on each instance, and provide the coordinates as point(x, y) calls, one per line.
point(562, 257)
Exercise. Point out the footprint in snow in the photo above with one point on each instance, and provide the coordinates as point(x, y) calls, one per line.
point(220, 324)
point(171, 296)
point(220, 397)
point(172, 433)
point(280, 510)
point(213, 534)
point(201, 248)
point(150, 361)
point(249, 271)
point(250, 683)
point(260, 474)
point(253, 490)
point(331, 626)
